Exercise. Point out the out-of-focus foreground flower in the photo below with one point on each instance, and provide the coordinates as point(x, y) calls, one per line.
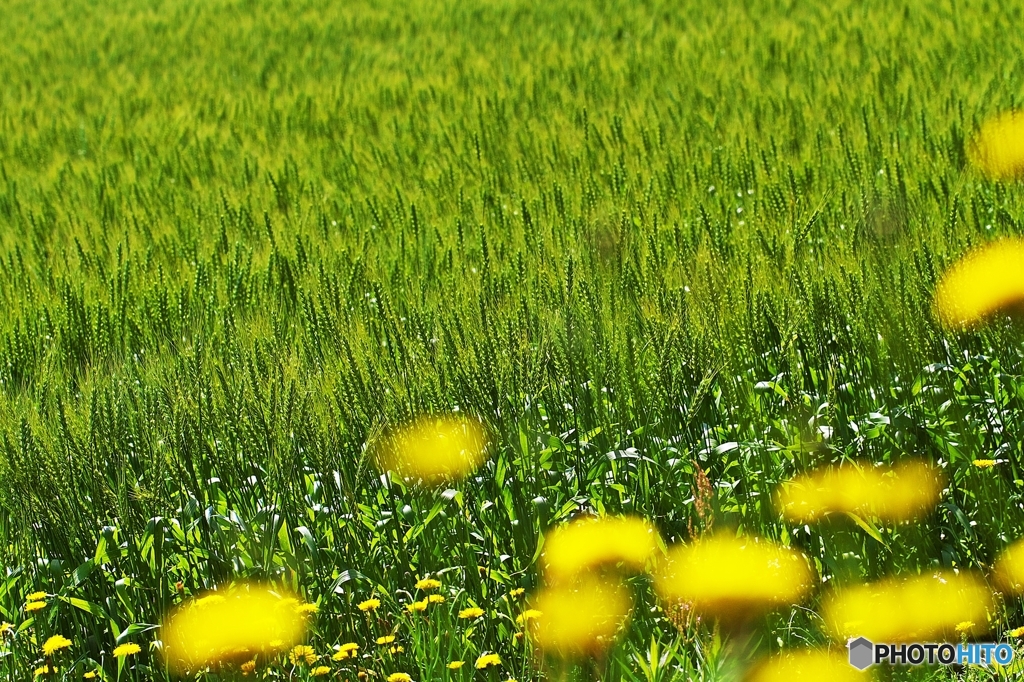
point(985, 281)
point(897, 493)
point(433, 449)
point(578, 619)
point(734, 578)
point(998, 148)
point(589, 543)
point(228, 624)
point(808, 665)
point(1009, 569)
point(918, 608)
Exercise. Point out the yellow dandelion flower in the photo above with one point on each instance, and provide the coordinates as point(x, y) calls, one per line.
point(908, 609)
point(428, 584)
point(417, 606)
point(386, 639)
point(348, 650)
point(433, 449)
point(248, 667)
point(211, 600)
point(399, 677)
point(55, 644)
point(998, 148)
point(35, 596)
point(487, 660)
point(579, 619)
point(809, 665)
point(89, 675)
point(734, 578)
point(436, 599)
point(6, 627)
point(518, 592)
point(128, 649)
point(898, 493)
point(45, 670)
point(528, 615)
point(320, 670)
point(35, 606)
point(455, 665)
point(244, 617)
point(1009, 569)
point(586, 544)
point(985, 463)
point(471, 612)
point(1016, 632)
point(396, 649)
point(964, 626)
point(302, 653)
point(986, 281)
point(306, 609)
point(369, 605)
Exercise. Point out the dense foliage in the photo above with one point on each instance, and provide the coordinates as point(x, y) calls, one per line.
point(672, 253)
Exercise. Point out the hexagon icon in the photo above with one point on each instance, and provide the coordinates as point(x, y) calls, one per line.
point(862, 653)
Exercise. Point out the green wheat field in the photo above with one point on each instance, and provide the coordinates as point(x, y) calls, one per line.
point(671, 254)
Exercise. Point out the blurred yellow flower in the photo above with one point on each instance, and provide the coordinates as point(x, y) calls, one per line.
point(55, 644)
point(518, 592)
point(396, 650)
point(985, 463)
point(247, 616)
point(734, 578)
point(471, 612)
point(528, 615)
point(348, 650)
point(45, 670)
point(128, 649)
point(965, 626)
point(585, 544)
point(433, 449)
point(428, 584)
point(302, 653)
point(417, 606)
point(89, 675)
point(320, 670)
point(1016, 632)
point(455, 665)
point(910, 609)
point(248, 667)
point(6, 627)
point(386, 639)
point(369, 604)
point(307, 608)
point(900, 492)
point(436, 599)
point(998, 148)
point(212, 599)
point(35, 605)
point(35, 596)
point(399, 677)
point(581, 618)
point(987, 280)
point(808, 665)
point(1009, 569)
point(487, 660)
